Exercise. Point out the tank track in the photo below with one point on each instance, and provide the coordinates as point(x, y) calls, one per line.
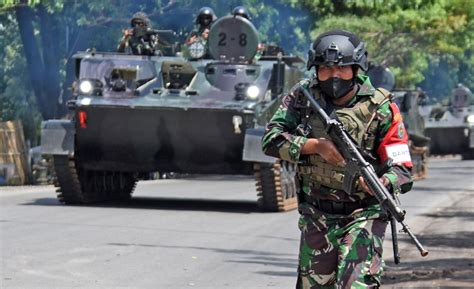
point(467, 155)
point(275, 185)
point(79, 186)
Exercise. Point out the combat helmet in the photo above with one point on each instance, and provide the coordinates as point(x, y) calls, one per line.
point(140, 17)
point(205, 13)
point(337, 47)
point(241, 11)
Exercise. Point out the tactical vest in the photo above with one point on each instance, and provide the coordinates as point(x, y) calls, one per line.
point(360, 123)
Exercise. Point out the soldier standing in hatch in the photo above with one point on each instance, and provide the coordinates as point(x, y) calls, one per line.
point(204, 20)
point(241, 11)
point(140, 38)
point(341, 234)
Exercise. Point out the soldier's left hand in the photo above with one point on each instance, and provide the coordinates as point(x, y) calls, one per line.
point(366, 188)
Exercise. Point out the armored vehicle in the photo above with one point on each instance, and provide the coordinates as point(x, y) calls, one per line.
point(140, 114)
point(408, 102)
point(450, 125)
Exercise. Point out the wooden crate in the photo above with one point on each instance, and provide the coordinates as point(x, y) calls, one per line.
point(14, 166)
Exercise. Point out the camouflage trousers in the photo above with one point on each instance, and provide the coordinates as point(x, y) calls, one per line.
point(340, 251)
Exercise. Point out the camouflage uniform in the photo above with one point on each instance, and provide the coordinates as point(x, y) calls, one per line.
point(341, 234)
point(141, 42)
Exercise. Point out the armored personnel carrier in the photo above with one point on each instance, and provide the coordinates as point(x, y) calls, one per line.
point(139, 114)
point(408, 103)
point(451, 125)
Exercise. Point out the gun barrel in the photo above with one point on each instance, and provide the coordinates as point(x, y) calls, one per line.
point(423, 251)
point(155, 31)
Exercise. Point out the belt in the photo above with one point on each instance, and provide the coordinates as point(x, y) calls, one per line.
point(343, 208)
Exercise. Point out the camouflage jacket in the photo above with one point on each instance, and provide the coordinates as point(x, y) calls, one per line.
point(282, 140)
point(147, 45)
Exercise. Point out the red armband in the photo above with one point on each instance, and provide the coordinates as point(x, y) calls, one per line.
point(395, 143)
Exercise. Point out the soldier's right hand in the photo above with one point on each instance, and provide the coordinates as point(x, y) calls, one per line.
point(191, 40)
point(127, 32)
point(326, 149)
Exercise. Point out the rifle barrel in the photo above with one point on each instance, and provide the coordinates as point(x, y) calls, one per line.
point(423, 251)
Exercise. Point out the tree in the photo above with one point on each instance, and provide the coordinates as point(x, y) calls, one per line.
point(425, 42)
point(16, 98)
point(410, 37)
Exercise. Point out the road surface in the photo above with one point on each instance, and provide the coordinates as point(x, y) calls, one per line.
point(208, 233)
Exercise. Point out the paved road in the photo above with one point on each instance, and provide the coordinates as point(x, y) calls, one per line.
point(195, 233)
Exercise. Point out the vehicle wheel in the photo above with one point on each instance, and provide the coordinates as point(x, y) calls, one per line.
point(79, 186)
point(276, 187)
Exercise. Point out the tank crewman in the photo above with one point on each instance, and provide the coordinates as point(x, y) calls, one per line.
point(341, 234)
point(204, 20)
point(461, 96)
point(141, 39)
point(241, 11)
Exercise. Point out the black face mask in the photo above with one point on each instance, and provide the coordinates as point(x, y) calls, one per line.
point(205, 21)
point(336, 87)
point(140, 31)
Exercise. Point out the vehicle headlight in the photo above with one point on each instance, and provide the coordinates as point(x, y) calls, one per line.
point(252, 92)
point(470, 119)
point(86, 87)
point(90, 86)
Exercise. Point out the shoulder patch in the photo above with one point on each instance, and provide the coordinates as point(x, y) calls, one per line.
point(395, 142)
point(401, 130)
point(397, 117)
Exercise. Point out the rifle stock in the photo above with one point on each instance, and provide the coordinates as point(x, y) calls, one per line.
point(358, 166)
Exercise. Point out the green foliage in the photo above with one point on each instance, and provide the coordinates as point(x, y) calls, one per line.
point(16, 98)
point(11, 3)
point(408, 36)
point(427, 43)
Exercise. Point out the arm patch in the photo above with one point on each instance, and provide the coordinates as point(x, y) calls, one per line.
point(395, 142)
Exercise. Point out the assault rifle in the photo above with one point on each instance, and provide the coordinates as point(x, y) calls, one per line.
point(140, 32)
point(358, 166)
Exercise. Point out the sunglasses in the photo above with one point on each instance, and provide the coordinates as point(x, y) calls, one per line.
point(138, 23)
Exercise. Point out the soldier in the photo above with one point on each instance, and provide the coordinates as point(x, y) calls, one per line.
point(461, 96)
point(141, 39)
point(341, 234)
point(241, 11)
point(204, 20)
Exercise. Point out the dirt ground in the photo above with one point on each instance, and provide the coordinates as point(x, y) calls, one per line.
point(449, 237)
